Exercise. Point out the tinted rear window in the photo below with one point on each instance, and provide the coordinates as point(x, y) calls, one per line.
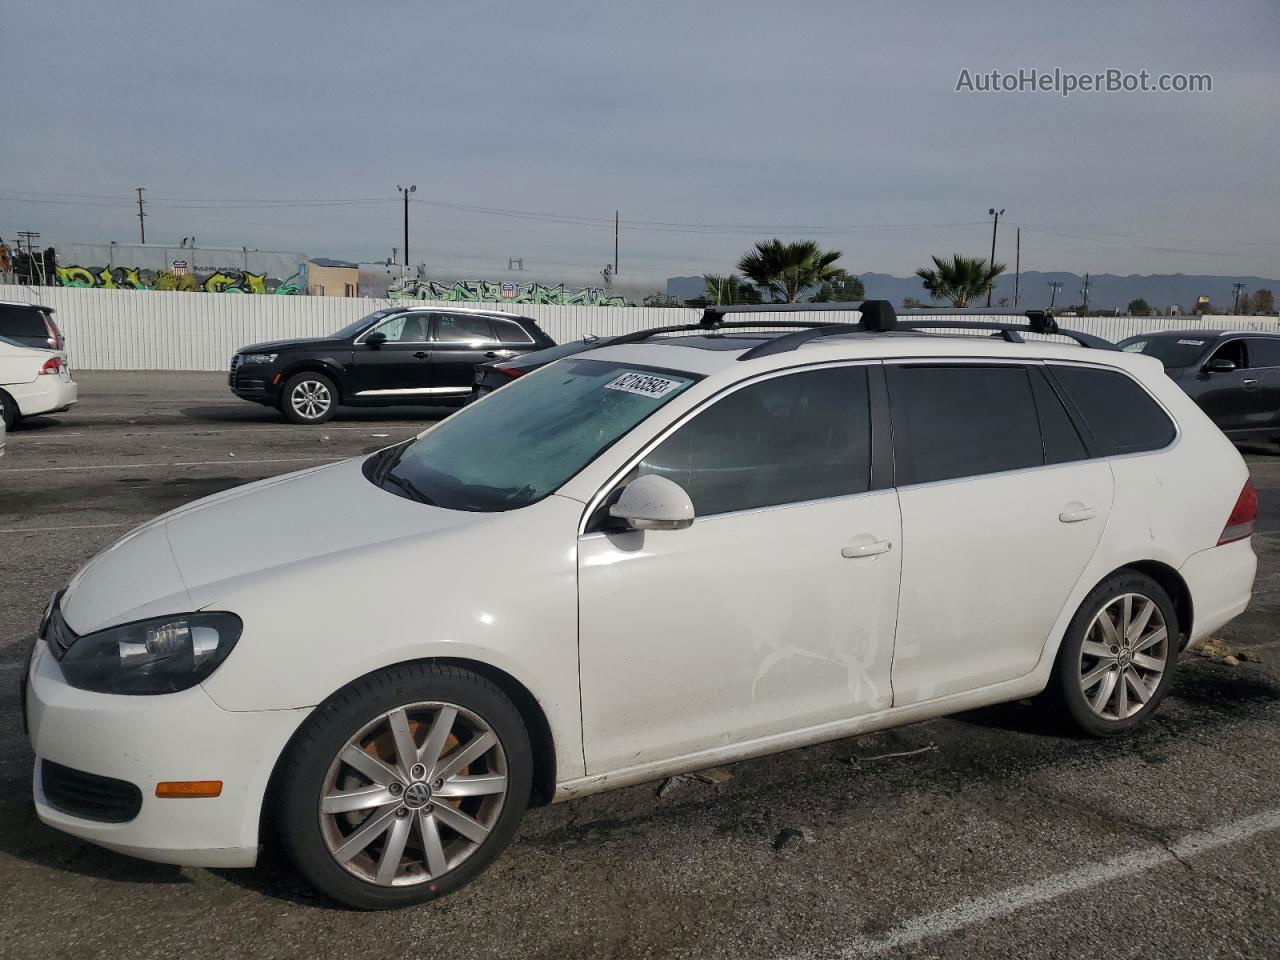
point(1264, 352)
point(1120, 414)
point(962, 421)
point(20, 322)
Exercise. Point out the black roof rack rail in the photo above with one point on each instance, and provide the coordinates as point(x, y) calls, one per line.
point(877, 316)
point(880, 317)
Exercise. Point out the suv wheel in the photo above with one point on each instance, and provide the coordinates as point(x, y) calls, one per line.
point(309, 398)
point(404, 786)
point(1117, 659)
point(8, 411)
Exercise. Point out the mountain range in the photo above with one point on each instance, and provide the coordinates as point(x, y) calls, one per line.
point(1106, 290)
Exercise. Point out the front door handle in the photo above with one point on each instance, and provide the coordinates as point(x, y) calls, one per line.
point(1075, 512)
point(422, 354)
point(865, 547)
point(1248, 384)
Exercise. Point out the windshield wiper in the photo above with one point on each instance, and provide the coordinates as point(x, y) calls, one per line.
point(408, 487)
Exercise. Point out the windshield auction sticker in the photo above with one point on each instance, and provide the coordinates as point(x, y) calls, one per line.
point(645, 384)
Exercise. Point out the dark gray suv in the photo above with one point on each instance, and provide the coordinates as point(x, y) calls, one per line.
point(1233, 376)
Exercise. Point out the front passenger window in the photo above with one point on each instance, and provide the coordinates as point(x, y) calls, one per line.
point(1232, 350)
point(802, 436)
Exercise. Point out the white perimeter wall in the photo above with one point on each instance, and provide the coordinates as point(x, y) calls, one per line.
point(154, 330)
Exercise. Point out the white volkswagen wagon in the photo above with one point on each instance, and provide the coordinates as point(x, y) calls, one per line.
point(662, 554)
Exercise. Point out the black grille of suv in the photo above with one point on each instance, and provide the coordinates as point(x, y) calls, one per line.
point(243, 383)
point(88, 795)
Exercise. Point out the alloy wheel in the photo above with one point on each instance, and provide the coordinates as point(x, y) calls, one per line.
point(1124, 656)
point(310, 399)
point(413, 794)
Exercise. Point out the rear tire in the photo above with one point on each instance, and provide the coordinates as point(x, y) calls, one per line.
point(385, 764)
point(1117, 659)
point(309, 398)
point(9, 411)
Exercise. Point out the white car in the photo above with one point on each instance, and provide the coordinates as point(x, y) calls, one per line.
point(656, 556)
point(33, 381)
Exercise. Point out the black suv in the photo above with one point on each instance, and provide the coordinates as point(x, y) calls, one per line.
point(402, 355)
point(30, 325)
point(1233, 376)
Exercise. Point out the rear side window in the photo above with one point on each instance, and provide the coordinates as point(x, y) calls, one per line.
point(461, 327)
point(18, 322)
point(962, 421)
point(1122, 416)
point(803, 436)
point(1264, 353)
point(508, 332)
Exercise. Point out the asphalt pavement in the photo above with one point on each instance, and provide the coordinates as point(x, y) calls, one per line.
point(987, 834)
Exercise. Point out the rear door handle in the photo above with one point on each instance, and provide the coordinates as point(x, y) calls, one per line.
point(865, 547)
point(1075, 512)
point(422, 354)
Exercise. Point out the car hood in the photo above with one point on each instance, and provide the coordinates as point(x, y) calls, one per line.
point(196, 556)
point(276, 346)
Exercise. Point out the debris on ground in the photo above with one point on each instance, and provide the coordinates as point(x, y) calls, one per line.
point(889, 756)
point(1219, 651)
point(791, 837)
point(379, 436)
point(715, 775)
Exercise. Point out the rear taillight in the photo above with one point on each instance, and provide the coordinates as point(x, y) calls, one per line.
point(53, 365)
point(511, 372)
point(55, 335)
point(1243, 514)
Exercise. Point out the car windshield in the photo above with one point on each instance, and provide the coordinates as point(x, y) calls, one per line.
point(524, 441)
point(351, 329)
point(1173, 352)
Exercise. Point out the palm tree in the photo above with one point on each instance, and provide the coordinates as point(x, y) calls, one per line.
point(728, 289)
point(786, 270)
point(959, 279)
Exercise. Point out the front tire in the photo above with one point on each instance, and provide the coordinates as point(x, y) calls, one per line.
point(1116, 661)
point(309, 398)
point(404, 786)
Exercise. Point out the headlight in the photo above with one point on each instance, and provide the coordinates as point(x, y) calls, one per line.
point(163, 655)
point(251, 358)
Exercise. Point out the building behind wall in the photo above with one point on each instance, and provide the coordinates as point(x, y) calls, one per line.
point(324, 277)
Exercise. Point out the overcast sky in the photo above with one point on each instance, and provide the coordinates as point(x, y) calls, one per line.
point(837, 121)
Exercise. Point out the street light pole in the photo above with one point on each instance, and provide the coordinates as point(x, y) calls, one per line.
point(406, 191)
point(995, 222)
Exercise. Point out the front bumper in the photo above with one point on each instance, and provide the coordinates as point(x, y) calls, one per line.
point(257, 383)
point(146, 740)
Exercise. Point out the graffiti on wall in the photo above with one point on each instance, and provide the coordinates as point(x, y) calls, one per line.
point(218, 281)
point(487, 291)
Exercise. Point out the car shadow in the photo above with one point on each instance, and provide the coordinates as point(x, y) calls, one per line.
point(37, 423)
point(255, 413)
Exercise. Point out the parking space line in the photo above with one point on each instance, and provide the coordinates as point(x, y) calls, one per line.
point(82, 526)
point(979, 910)
point(186, 463)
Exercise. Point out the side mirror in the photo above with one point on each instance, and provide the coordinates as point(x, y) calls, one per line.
point(654, 503)
point(1220, 365)
point(375, 340)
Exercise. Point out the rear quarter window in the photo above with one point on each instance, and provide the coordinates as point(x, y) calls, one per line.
point(1118, 412)
point(18, 322)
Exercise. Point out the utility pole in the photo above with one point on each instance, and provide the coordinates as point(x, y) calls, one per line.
point(406, 191)
point(1017, 267)
point(1084, 292)
point(1055, 286)
point(995, 222)
point(142, 227)
point(616, 216)
point(1235, 300)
